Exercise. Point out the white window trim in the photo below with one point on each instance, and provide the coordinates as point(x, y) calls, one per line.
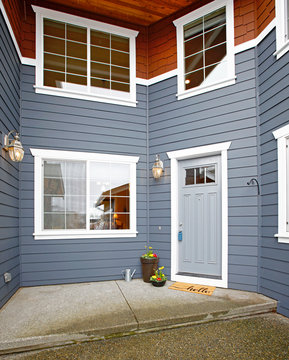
point(103, 95)
point(282, 36)
point(176, 156)
point(180, 23)
point(40, 154)
point(282, 135)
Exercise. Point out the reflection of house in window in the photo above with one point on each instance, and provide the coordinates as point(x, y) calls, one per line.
point(114, 206)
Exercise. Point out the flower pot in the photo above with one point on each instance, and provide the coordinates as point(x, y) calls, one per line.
point(149, 266)
point(158, 283)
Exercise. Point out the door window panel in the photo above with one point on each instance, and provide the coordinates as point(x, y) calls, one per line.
point(200, 175)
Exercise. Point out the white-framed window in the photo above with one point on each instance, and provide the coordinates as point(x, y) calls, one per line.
point(83, 195)
point(282, 137)
point(282, 27)
point(205, 46)
point(84, 59)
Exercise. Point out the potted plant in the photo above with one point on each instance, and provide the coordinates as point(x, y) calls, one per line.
point(159, 278)
point(149, 262)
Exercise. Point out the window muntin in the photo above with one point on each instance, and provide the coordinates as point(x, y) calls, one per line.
point(205, 47)
point(84, 194)
point(85, 59)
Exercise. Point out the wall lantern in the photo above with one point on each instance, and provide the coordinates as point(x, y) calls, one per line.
point(13, 146)
point(157, 168)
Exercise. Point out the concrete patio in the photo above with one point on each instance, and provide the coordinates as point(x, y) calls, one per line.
point(48, 316)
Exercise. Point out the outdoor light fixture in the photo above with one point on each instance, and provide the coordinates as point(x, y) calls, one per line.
point(13, 146)
point(157, 168)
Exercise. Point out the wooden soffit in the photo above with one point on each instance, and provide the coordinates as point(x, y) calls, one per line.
point(139, 12)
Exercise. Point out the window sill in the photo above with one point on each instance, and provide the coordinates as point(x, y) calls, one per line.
point(283, 238)
point(118, 100)
point(203, 89)
point(85, 235)
point(282, 50)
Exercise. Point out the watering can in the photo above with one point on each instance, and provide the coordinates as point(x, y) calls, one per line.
point(127, 274)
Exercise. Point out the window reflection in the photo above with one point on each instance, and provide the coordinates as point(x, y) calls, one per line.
point(110, 200)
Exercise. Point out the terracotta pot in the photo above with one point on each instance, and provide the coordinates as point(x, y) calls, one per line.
point(159, 283)
point(149, 266)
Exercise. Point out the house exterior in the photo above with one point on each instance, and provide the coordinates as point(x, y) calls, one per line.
point(97, 93)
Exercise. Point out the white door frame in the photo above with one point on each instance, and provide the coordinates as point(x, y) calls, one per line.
point(191, 153)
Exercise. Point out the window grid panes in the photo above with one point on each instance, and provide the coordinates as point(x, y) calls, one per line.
point(205, 46)
point(200, 175)
point(66, 58)
point(68, 195)
point(109, 61)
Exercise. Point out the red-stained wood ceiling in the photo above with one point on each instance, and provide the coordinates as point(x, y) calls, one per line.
point(139, 12)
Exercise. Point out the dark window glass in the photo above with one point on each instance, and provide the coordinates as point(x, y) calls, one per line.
point(76, 50)
point(99, 54)
point(119, 43)
point(54, 62)
point(194, 79)
point(190, 177)
point(100, 38)
point(194, 45)
point(215, 37)
point(119, 86)
point(194, 62)
point(215, 54)
point(53, 79)
point(75, 66)
point(100, 83)
point(74, 79)
point(100, 70)
point(76, 33)
point(119, 74)
point(52, 45)
point(54, 28)
point(215, 19)
point(119, 58)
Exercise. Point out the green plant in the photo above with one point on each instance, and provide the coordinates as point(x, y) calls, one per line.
point(149, 254)
point(159, 275)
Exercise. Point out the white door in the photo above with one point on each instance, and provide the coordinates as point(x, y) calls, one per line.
point(200, 218)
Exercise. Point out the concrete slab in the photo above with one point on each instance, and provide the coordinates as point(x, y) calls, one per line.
point(155, 307)
point(40, 313)
point(48, 316)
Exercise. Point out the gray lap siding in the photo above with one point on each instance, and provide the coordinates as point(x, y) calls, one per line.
point(273, 80)
point(51, 122)
point(9, 171)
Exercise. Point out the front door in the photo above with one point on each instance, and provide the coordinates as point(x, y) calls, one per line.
point(200, 217)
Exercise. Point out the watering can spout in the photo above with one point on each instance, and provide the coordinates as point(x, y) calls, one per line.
point(133, 273)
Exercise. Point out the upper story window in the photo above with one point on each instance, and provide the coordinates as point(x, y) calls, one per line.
point(282, 27)
point(282, 137)
point(205, 43)
point(84, 195)
point(81, 58)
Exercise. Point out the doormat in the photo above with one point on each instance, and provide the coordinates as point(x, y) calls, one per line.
point(197, 289)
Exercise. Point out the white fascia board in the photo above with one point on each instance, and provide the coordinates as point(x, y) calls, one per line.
point(81, 21)
point(73, 155)
point(199, 151)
